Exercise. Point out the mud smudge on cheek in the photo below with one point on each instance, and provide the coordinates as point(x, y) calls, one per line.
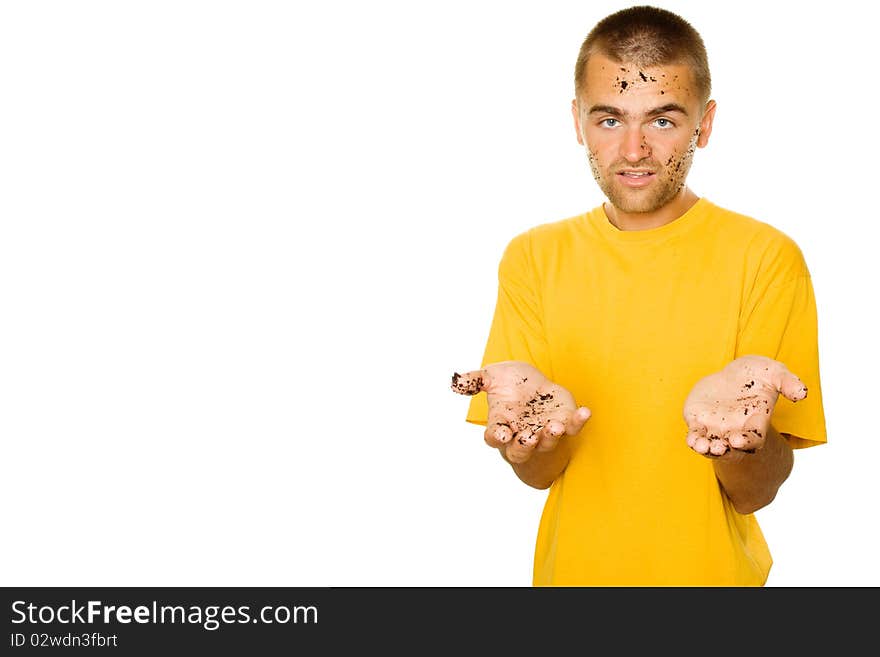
point(594, 166)
point(678, 165)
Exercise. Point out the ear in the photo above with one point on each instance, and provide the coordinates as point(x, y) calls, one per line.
point(706, 124)
point(577, 121)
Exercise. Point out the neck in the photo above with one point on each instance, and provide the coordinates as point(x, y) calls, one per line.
point(680, 204)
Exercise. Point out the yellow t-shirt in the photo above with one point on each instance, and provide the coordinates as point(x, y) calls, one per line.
point(629, 321)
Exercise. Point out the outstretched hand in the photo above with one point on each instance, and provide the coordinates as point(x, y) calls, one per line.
point(728, 413)
point(527, 411)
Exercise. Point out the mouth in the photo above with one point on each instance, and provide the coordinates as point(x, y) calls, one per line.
point(636, 178)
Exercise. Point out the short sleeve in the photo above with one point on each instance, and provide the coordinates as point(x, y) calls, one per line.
point(517, 329)
point(782, 324)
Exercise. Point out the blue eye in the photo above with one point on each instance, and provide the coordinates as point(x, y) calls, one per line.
point(668, 123)
point(604, 122)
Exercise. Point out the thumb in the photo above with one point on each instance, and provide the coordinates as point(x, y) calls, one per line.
point(789, 385)
point(470, 383)
point(577, 420)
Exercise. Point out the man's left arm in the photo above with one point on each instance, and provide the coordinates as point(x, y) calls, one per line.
point(728, 415)
point(751, 480)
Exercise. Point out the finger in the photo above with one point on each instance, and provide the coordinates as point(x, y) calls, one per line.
point(577, 420)
point(745, 441)
point(549, 435)
point(701, 446)
point(694, 434)
point(748, 440)
point(698, 441)
point(717, 446)
point(470, 383)
point(705, 443)
point(790, 386)
point(497, 434)
point(521, 447)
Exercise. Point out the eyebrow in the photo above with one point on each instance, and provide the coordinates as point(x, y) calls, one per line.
point(615, 111)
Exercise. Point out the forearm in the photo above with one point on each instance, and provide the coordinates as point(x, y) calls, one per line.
point(542, 468)
point(752, 480)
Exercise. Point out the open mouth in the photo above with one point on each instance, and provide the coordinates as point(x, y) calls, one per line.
point(636, 178)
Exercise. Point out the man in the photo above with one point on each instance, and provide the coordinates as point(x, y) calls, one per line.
point(638, 352)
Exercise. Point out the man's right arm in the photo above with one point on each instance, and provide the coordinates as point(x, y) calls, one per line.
point(521, 400)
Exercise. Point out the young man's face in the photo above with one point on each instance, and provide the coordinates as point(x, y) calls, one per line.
point(635, 120)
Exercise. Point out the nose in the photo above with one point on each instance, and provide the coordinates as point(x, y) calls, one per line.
point(634, 146)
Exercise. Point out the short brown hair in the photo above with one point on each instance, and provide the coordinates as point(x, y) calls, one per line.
point(646, 36)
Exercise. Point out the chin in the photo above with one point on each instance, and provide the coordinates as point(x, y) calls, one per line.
point(636, 206)
point(637, 202)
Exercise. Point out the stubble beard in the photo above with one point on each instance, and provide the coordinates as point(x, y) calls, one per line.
point(665, 188)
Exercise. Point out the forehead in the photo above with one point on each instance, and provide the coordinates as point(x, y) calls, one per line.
point(623, 83)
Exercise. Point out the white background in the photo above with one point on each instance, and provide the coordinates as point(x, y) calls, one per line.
point(244, 245)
